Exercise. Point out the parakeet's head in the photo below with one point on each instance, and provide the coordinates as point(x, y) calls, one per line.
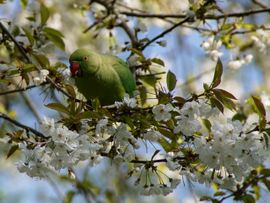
point(83, 61)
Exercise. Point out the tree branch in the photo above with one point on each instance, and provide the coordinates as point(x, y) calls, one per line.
point(98, 21)
point(197, 77)
point(131, 35)
point(148, 161)
point(259, 4)
point(22, 89)
point(27, 128)
point(149, 15)
point(31, 106)
point(240, 14)
point(207, 17)
point(21, 49)
point(165, 32)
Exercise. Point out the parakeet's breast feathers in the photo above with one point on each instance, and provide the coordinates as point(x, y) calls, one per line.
point(101, 76)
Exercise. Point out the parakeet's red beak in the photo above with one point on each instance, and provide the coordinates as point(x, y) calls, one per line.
point(74, 67)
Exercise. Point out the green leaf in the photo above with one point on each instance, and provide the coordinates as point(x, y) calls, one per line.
point(143, 94)
point(58, 107)
point(239, 116)
point(53, 31)
point(223, 99)
point(219, 193)
point(171, 80)
point(69, 196)
point(149, 79)
point(15, 31)
point(215, 102)
point(167, 133)
point(180, 100)
point(137, 52)
point(217, 75)
point(31, 18)
point(256, 190)
point(265, 172)
point(224, 93)
point(249, 26)
point(266, 183)
point(42, 60)
point(205, 86)
point(258, 105)
point(55, 36)
point(71, 91)
point(44, 14)
point(158, 61)
point(28, 68)
point(56, 39)
point(226, 26)
point(29, 35)
point(207, 124)
point(165, 144)
point(262, 123)
point(229, 103)
point(248, 199)
point(12, 150)
point(163, 98)
point(162, 43)
point(86, 114)
point(266, 139)
point(25, 77)
point(24, 3)
point(60, 65)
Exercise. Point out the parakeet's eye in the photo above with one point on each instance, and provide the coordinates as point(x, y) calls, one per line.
point(85, 58)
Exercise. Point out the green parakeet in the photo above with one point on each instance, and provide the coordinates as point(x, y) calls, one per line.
point(101, 76)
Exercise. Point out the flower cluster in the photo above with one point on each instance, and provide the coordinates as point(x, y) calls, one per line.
point(64, 148)
point(42, 77)
point(261, 41)
point(238, 63)
point(117, 139)
point(211, 47)
point(157, 189)
point(231, 150)
point(223, 153)
point(127, 102)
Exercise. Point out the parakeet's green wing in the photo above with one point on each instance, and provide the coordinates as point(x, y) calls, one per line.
point(124, 74)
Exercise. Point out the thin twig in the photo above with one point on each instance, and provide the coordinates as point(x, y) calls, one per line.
point(149, 15)
point(22, 89)
point(240, 14)
point(27, 128)
point(31, 106)
point(146, 161)
point(165, 32)
point(191, 80)
point(55, 188)
point(21, 49)
point(207, 17)
point(98, 21)
point(131, 35)
point(259, 4)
